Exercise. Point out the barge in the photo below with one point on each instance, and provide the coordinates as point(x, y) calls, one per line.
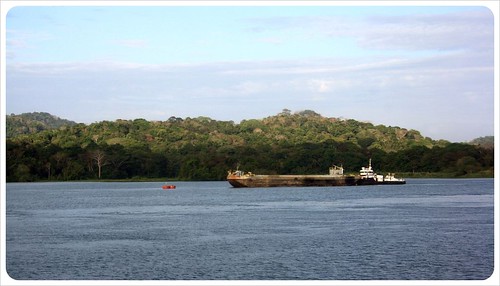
point(335, 177)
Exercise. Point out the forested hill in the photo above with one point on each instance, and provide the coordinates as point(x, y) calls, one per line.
point(297, 128)
point(487, 142)
point(34, 122)
point(204, 149)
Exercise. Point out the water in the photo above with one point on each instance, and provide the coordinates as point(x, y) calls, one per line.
point(424, 230)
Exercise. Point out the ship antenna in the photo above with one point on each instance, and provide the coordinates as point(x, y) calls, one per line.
point(370, 163)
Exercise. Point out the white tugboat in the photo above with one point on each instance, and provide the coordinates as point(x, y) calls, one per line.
point(371, 178)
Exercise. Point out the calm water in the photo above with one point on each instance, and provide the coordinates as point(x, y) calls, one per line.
point(427, 229)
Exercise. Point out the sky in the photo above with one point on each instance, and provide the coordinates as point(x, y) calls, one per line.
point(428, 68)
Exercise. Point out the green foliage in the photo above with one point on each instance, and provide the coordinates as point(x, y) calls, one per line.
point(30, 123)
point(204, 149)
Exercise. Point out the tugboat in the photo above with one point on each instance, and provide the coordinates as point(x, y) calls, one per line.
point(369, 177)
point(336, 177)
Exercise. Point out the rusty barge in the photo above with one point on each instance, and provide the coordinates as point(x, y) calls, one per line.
point(336, 177)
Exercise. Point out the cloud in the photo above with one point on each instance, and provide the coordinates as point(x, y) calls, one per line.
point(335, 85)
point(446, 88)
point(320, 86)
point(458, 31)
point(22, 43)
point(249, 87)
point(470, 30)
point(14, 45)
point(264, 24)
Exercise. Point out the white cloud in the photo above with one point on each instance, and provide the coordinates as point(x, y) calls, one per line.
point(470, 30)
point(22, 43)
point(248, 87)
point(460, 31)
point(409, 92)
point(320, 86)
point(337, 86)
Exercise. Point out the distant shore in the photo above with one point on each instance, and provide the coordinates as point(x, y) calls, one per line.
point(425, 175)
point(405, 175)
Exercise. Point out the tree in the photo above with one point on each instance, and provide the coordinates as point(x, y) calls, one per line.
point(286, 112)
point(100, 158)
point(201, 148)
point(467, 165)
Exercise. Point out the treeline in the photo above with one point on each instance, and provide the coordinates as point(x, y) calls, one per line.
point(33, 122)
point(205, 149)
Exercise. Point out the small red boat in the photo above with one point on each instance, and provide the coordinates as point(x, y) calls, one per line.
point(168, 187)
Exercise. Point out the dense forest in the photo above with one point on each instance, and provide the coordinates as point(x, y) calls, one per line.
point(34, 122)
point(41, 146)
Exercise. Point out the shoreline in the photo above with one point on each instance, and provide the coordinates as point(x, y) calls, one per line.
point(405, 175)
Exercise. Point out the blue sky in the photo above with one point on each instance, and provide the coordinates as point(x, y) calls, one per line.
point(424, 68)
